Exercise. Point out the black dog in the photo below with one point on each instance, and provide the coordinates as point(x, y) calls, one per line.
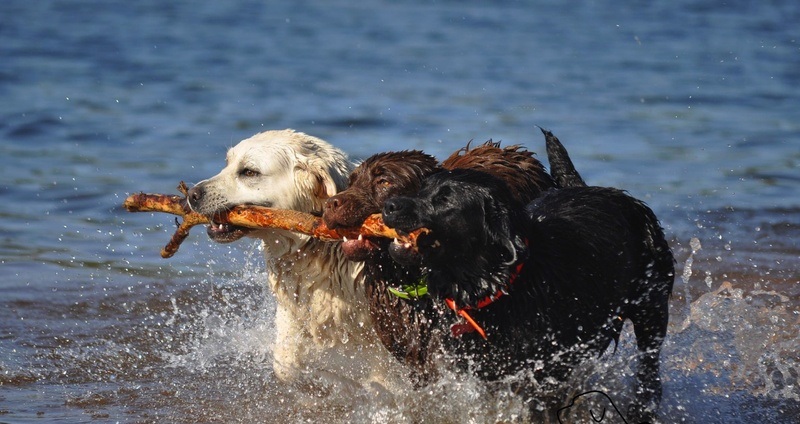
point(552, 282)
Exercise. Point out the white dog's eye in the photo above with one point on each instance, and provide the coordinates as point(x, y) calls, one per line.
point(247, 172)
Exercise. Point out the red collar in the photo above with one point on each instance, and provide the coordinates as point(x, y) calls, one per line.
point(470, 326)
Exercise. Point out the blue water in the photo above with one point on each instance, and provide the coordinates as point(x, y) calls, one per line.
point(689, 105)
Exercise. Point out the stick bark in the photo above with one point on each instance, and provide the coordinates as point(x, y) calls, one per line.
point(256, 217)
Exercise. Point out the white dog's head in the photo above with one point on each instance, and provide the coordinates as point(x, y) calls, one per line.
point(277, 169)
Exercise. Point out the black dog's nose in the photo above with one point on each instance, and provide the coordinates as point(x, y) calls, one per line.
point(392, 206)
point(395, 208)
point(195, 195)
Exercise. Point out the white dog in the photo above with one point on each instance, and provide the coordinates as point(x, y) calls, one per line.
point(324, 331)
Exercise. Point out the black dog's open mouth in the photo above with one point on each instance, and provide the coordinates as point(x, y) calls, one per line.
point(408, 253)
point(224, 232)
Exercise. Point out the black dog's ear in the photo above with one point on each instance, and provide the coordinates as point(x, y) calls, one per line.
point(500, 234)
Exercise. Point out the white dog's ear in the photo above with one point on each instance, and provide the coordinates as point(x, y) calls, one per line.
point(325, 187)
point(322, 184)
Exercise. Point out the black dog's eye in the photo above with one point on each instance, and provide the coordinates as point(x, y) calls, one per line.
point(383, 183)
point(247, 172)
point(442, 196)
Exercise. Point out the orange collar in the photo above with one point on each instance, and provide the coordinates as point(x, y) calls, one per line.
point(471, 325)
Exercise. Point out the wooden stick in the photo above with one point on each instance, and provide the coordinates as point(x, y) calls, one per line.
point(256, 217)
point(167, 203)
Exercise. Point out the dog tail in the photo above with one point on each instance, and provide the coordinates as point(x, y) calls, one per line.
point(561, 168)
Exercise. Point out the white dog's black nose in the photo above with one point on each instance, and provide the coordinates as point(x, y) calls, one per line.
point(195, 196)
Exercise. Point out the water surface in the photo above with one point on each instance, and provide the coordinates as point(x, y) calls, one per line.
point(689, 105)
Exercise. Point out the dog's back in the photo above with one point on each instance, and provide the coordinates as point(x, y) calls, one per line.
point(609, 247)
point(613, 263)
point(514, 165)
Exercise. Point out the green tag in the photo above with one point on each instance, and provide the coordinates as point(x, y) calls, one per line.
point(411, 291)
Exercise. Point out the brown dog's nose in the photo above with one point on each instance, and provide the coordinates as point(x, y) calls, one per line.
point(332, 203)
point(331, 213)
point(341, 211)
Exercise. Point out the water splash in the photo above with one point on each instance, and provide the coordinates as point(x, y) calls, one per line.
point(695, 246)
point(232, 321)
point(737, 350)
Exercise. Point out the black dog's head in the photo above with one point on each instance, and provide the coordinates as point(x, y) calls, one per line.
point(476, 233)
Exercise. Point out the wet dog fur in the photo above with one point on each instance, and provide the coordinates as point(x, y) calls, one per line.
point(590, 257)
point(324, 334)
point(407, 327)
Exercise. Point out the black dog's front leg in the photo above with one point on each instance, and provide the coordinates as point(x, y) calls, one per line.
point(650, 328)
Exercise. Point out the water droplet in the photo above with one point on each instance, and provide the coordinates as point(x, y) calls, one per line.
point(694, 243)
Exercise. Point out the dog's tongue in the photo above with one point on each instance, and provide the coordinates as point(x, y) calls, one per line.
point(219, 228)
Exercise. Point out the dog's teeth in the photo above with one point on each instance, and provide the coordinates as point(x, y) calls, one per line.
point(360, 237)
point(344, 239)
point(407, 245)
point(396, 241)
